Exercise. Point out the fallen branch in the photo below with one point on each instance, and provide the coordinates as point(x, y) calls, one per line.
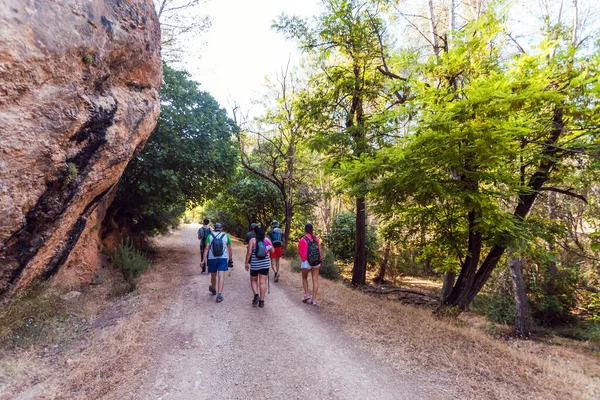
point(397, 290)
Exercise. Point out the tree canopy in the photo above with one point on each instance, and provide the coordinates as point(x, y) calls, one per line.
point(190, 157)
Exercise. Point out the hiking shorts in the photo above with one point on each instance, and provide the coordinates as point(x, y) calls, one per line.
point(306, 265)
point(277, 252)
point(217, 264)
point(257, 272)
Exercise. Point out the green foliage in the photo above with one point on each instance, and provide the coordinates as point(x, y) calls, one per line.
point(556, 308)
point(591, 305)
point(72, 173)
point(340, 240)
point(329, 269)
point(88, 58)
point(481, 140)
point(189, 158)
point(249, 199)
point(291, 251)
point(496, 307)
point(295, 264)
point(131, 262)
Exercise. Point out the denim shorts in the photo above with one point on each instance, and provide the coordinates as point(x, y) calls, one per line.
point(217, 264)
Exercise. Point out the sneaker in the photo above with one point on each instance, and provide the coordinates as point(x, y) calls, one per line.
point(306, 298)
point(219, 298)
point(276, 277)
point(313, 302)
point(255, 300)
point(212, 289)
point(261, 303)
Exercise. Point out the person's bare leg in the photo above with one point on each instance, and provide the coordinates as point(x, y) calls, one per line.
point(315, 281)
point(277, 264)
point(254, 284)
point(263, 286)
point(305, 272)
point(221, 281)
point(213, 280)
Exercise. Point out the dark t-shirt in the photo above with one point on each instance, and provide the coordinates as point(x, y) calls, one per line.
point(208, 231)
point(248, 236)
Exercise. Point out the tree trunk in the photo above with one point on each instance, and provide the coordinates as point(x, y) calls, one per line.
point(551, 266)
point(458, 297)
point(522, 317)
point(384, 264)
point(449, 279)
point(459, 294)
point(433, 29)
point(288, 225)
point(359, 271)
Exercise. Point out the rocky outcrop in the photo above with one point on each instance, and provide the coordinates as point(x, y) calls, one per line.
point(78, 97)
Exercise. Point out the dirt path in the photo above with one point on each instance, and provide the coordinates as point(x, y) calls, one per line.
point(287, 350)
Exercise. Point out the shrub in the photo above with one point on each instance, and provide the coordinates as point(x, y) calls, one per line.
point(340, 239)
point(295, 263)
point(591, 306)
point(131, 262)
point(329, 269)
point(557, 308)
point(496, 307)
point(291, 251)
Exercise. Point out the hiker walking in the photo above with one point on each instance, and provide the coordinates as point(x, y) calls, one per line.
point(309, 249)
point(276, 236)
point(219, 255)
point(250, 234)
point(258, 263)
point(203, 233)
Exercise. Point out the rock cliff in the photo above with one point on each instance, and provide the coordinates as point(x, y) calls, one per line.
point(78, 98)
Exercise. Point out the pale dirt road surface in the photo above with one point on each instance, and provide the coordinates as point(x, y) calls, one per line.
point(286, 350)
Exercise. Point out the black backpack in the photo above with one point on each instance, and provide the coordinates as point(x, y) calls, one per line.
point(314, 255)
point(261, 250)
point(216, 245)
point(204, 232)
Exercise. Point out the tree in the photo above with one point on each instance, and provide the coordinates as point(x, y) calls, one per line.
point(180, 21)
point(478, 156)
point(346, 47)
point(340, 240)
point(274, 148)
point(189, 158)
point(246, 200)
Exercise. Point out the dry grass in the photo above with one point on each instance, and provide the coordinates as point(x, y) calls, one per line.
point(411, 338)
point(112, 348)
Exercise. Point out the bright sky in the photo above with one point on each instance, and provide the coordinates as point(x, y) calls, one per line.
point(241, 48)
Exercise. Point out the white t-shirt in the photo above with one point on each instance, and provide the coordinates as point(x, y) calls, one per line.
point(226, 242)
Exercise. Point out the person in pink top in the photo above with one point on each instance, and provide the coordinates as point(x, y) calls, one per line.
point(304, 250)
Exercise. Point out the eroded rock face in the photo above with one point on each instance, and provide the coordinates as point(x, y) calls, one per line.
point(78, 96)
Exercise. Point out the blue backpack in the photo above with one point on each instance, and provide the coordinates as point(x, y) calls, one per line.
point(277, 237)
point(261, 250)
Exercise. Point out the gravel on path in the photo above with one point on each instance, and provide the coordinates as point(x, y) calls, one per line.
point(286, 350)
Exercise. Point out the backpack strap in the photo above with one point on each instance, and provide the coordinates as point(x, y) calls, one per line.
point(308, 240)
